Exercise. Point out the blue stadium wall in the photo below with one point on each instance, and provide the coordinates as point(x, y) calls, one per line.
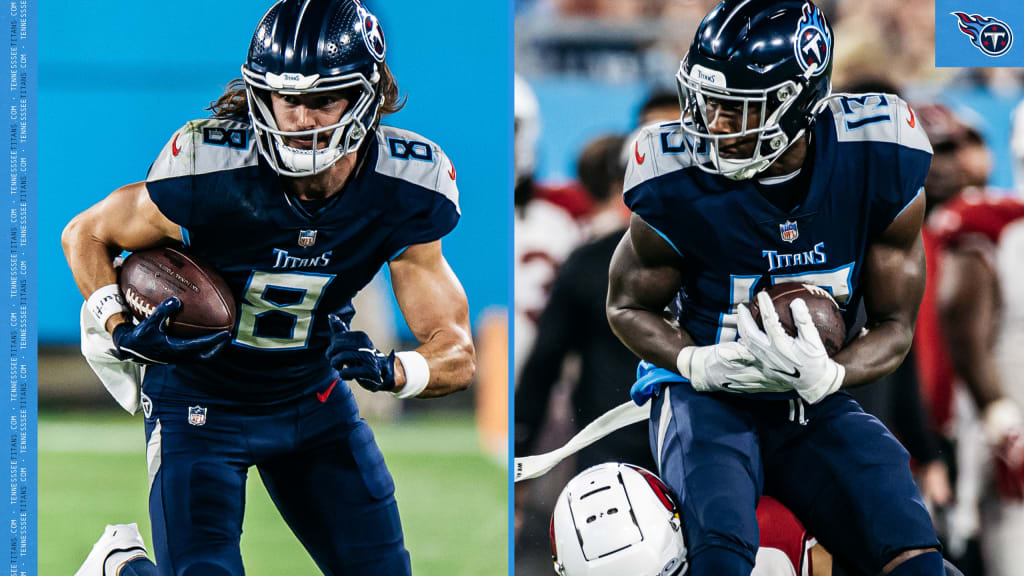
point(117, 79)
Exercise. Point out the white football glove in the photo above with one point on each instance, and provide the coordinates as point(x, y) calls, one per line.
point(726, 367)
point(800, 362)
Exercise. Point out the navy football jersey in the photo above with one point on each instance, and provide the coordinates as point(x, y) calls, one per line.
point(290, 264)
point(870, 158)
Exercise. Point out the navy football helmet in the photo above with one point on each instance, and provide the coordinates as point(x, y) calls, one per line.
point(309, 46)
point(765, 59)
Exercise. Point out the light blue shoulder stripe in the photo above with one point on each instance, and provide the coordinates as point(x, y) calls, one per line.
point(902, 210)
point(662, 234)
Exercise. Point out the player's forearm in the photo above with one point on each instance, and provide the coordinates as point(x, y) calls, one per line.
point(643, 277)
point(653, 337)
point(451, 357)
point(894, 279)
point(968, 309)
point(90, 260)
point(875, 354)
point(125, 220)
point(973, 362)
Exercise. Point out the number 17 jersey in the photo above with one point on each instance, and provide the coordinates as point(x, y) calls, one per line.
point(869, 161)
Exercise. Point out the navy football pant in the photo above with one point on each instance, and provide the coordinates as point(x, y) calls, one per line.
point(319, 462)
point(838, 469)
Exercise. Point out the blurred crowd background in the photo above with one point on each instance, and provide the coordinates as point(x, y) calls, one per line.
point(589, 73)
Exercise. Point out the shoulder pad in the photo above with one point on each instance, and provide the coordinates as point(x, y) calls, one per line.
point(412, 158)
point(657, 149)
point(876, 118)
point(204, 146)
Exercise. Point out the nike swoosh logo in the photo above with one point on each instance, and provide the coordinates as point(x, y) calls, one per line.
point(451, 173)
point(794, 374)
point(322, 396)
point(636, 152)
point(911, 121)
point(174, 146)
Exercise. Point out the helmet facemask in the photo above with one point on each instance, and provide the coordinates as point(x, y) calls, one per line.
point(343, 137)
point(701, 86)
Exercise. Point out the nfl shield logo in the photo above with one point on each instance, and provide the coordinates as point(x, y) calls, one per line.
point(788, 231)
point(196, 415)
point(307, 238)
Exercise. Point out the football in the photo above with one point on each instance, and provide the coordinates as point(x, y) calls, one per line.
point(828, 319)
point(149, 277)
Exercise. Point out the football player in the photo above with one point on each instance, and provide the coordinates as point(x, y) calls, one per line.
point(617, 519)
point(544, 230)
point(297, 195)
point(768, 178)
point(970, 332)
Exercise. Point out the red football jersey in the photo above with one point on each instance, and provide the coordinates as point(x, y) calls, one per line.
point(976, 219)
point(781, 530)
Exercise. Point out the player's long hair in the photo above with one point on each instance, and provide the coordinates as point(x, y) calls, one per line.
point(233, 103)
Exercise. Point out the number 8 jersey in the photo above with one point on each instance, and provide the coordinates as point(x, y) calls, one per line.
point(867, 161)
point(290, 263)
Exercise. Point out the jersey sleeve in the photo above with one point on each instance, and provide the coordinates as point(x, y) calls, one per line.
point(170, 179)
point(912, 159)
point(184, 182)
point(650, 157)
point(882, 131)
point(427, 202)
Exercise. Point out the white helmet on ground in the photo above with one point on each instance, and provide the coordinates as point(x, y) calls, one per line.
point(617, 520)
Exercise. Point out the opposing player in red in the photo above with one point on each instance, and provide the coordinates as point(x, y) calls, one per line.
point(618, 519)
point(970, 333)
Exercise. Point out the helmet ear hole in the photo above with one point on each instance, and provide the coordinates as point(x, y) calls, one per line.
point(616, 519)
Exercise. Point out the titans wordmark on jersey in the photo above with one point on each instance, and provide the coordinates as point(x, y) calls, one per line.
point(870, 158)
point(289, 265)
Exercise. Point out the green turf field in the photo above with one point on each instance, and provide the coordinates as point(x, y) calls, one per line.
point(92, 472)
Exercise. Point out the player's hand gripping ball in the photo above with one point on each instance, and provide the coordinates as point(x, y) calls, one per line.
point(150, 343)
point(825, 313)
point(149, 277)
point(801, 362)
point(185, 310)
point(353, 355)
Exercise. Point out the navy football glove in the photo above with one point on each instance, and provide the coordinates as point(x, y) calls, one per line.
point(149, 343)
point(353, 355)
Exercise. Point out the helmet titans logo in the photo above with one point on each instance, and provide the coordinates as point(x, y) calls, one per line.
point(372, 34)
point(813, 42)
point(993, 37)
